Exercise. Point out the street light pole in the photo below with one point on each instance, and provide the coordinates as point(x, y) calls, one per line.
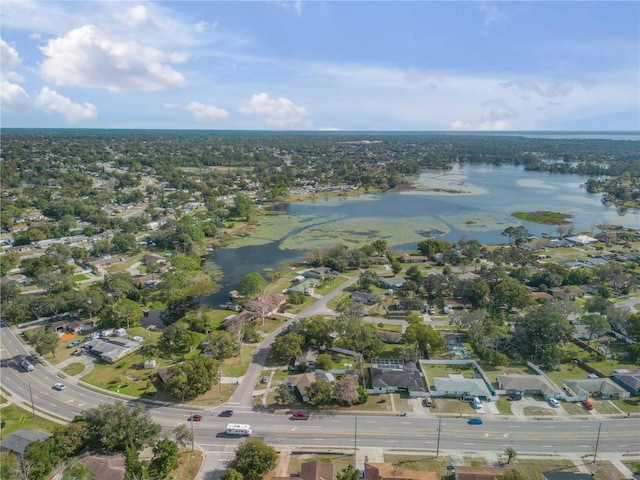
point(438, 443)
point(595, 452)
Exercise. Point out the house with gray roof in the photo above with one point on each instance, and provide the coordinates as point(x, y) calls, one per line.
point(456, 384)
point(393, 282)
point(604, 387)
point(17, 442)
point(528, 384)
point(112, 349)
point(629, 380)
point(399, 377)
point(362, 297)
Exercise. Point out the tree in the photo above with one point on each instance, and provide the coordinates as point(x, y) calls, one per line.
point(243, 206)
point(182, 435)
point(165, 458)
point(254, 458)
point(287, 346)
point(114, 426)
point(540, 332)
point(597, 304)
point(192, 377)
point(222, 345)
point(324, 361)
point(595, 324)
point(425, 336)
point(319, 393)
point(511, 454)
point(45, 340)
point(414, 273)
point(513, 475)
point(511, 294)
point(252, 285)
point(345, 390)
point(283, 395)
point(78, 471)
point(348, 473)
point(42, 457)
point(231, 474)
point(177, 309)
point(134, 469)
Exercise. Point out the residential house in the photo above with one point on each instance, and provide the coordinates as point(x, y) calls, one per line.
point(391, 375)
point(566, 293)
point(318, 272)
point(309, 356)
point(113, 349)
point(458, 303)
point(603, 387)
point(269, 303)
point(385, 471)
point(629, 380)
point(363, 297)
point(479, 473)
point(456, 385)
point(18, 441)
point(105, 466)
point(566, 476)
point(316, 470)
point(305, 285)
point(581, 240)
point(240, 318)
point(395, 283)
point(406, 258)
point(160, 263)
point(75, 326)
point(301, 384)
point(528, 384)
point(541, 297)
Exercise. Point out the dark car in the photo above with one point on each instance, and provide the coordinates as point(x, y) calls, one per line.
point(299, 416)
point(515, 397)
point(225, 413)
point(195, 418)
point(475, 421)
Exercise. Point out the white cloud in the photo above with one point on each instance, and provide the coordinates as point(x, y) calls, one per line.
point(491, 13)
point(295, 5)
point(9, 58)
point(277, 112)
point(85, 57)
point(135, 16)
point(13, 97)
point(51, 101)
point(200, 111)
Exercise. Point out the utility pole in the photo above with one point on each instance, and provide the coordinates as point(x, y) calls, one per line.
point(33, 409)
point(192, 432)
point(595, 451)
point(355, 441)
point(438, 444)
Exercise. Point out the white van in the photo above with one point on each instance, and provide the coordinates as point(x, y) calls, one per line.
point(26, 364)
point(476, 402)
point(238, 429)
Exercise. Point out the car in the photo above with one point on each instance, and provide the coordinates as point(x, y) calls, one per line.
point(514, 397)
point(299, 416)
point(75, 343)
point(226, 413)
point(195, 418)
point(587, 404)
point(553, 402)
point(59, 386)
point(475, 421)
point(265, 379)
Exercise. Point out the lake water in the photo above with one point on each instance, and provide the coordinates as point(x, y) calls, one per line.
point(489, 195)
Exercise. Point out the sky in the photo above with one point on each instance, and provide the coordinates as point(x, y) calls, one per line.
point(321, 65)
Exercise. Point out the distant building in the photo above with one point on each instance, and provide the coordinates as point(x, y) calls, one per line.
point(18, 441)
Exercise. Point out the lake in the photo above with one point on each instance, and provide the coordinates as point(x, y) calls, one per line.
point(481, 209)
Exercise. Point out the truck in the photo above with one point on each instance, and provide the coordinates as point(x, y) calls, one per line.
point(238, 429)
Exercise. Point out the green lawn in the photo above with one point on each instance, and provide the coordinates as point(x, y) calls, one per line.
point(16, 418)
point(80, 277)
point(74, 368)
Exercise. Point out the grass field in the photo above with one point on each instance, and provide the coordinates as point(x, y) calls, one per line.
point(16, 418)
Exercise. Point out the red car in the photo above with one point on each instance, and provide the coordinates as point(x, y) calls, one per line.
point(195, 418)
point(587, 404)
point(299, 416)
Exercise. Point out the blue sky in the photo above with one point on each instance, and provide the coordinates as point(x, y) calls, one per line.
point(321, 65)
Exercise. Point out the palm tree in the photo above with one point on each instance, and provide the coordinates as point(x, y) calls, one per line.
point(511, 454)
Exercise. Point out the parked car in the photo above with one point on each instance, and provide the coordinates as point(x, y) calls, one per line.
point(195, 418)
point(553, 402)
point(59, 386)
point(226, 413)
point(515, 397)
point(587, 404)
point(265, 379)
point(299, 416)
point(475, 421)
